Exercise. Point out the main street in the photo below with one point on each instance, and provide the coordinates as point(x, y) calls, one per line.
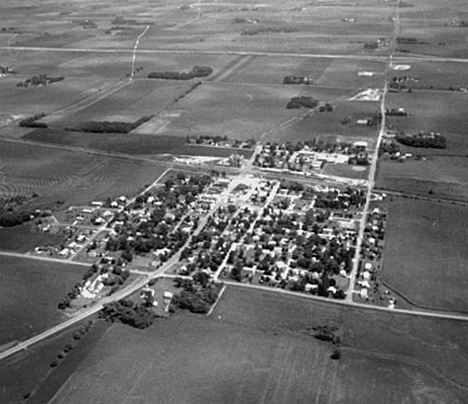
point(365, 211)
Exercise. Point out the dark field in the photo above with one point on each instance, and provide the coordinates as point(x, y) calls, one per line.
point(30, 291)
point(132, 144)
point(425, 257)
point(24, 238)
point(251, 349)
point(72, 178)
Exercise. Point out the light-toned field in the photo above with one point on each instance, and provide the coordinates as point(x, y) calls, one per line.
point(425, 257)
point(69, 177)
point(252, 349)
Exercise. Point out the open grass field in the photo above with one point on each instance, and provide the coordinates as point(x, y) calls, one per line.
point(70, 177)
point(252, 349)
point(443, 177)
point(30, 291)
point(425, 257)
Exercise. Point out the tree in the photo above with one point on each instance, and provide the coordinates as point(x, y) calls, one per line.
point(236, 272)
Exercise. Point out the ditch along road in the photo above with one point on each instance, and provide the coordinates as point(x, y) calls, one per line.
point(405, 58)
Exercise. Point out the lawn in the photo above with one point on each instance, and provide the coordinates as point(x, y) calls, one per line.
point(73, 178)
point(425, 256)
point(30, 291)
point(251, 349)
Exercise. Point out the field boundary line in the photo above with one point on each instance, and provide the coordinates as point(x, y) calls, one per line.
point(420, 306)
point(217, 300)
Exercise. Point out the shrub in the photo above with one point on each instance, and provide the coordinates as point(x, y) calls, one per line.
point(336, 354)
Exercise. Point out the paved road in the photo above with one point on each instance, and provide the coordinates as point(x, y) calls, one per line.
point(40, 258)
point(365, 211)
point(420, 313)
point(406, 58)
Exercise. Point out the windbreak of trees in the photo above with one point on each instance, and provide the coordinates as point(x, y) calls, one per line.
point(41, 80)
point(197, 71)
point(31, 122)
point(302, 102)
point(433, 141)
point(109, 127)
point(11, 219)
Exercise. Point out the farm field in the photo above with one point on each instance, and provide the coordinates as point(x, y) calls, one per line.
point(437, 176)
point(131, 102)
point(244, 112)
point(223, 26)
point(432, 75)
point(30, 370)
point(73, 178)
point(325, 72)
point(431, 270)
point(441, 112)
point(30, 291)
point(235, 111)
point(252, 350)
point(427, 22)
point(23, 238)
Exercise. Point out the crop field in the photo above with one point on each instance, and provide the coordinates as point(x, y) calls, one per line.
point(251, 349)
point(431, 270)
point(30, 291)
point(236, 111)
point(24, 102)
point(442, 112)
point(70, 177)
point(244, 112)
point(22, 373)
point(325, 125)
point(128, 104)
point(317, 28)
point(427, 22)
point(443, 177)
point(325, 72)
